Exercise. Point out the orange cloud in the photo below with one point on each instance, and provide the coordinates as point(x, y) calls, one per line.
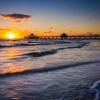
point(3, 29)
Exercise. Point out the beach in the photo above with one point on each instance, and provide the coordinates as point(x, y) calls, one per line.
point(49, 69)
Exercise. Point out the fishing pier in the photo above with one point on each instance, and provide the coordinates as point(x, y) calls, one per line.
point(63, 37)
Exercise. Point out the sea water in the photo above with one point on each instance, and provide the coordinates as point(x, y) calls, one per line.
point(50, 70)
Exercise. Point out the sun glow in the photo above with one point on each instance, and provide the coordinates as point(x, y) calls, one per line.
point(10, 35)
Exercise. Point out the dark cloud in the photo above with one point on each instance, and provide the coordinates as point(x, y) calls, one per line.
point(17, 21)
point(48, 32)
point(15, 16)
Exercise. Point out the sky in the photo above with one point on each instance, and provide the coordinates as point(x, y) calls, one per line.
point(50, 17)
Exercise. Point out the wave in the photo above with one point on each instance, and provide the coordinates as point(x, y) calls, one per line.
point(95, 88)
point(40, 54)
point(53, 51)
point(30, 44)
point(51, 41)
point(43, 43)
point(24, 44)
point(15, 45)
point(80, 45)
point(48, 69)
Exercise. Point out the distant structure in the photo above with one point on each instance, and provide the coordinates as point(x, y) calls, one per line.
point(31, 36)
point(63, 36)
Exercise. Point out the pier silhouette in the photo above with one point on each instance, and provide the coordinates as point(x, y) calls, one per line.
point(63, 36)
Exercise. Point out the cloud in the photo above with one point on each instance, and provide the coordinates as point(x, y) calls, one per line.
point(15, 16)
point(16, 21)
point(4, 29)
point(1, 29)
point(48, 32)
point(51, 27)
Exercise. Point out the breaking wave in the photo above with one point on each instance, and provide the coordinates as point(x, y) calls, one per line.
point(80, 44)
point(39, 54)
point(53, 51)
point(95, 88)
point(47, 69)
point(15, 45)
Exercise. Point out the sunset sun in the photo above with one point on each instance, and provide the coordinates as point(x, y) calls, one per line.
point(11, 36)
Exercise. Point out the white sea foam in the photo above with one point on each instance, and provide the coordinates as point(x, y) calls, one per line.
point(95, 88)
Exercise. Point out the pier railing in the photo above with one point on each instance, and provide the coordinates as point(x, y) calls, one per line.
point(69, 37)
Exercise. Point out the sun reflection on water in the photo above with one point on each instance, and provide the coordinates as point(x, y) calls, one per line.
point(11, 64)
point(13, 68)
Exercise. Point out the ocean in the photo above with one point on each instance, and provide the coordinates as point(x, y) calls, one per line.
point(50, 70)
